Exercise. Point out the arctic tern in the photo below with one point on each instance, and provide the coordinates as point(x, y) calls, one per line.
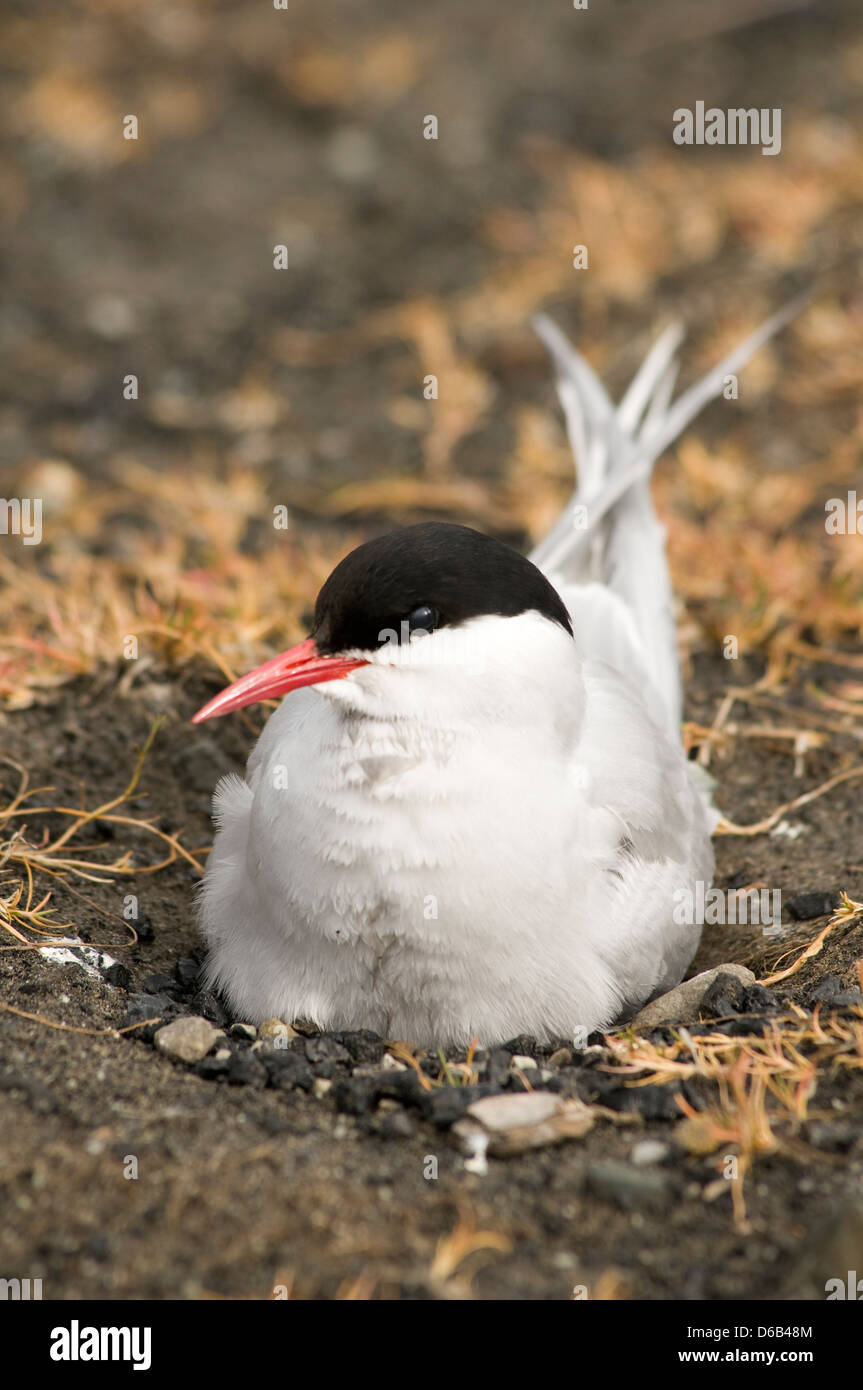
point(472, 814)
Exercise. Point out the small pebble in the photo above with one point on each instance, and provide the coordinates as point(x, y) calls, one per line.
point(497, 1066)
point(186, 1039)
point(143, 1006)
point(363, 1045)
point(355, 1095)
point(523, 1063)
point(829, 991)
point(144, 928)
point(277, 1029)
point(723, 997)
point(651, 1102)
point(523, 1046)
point(325, 1050)
point(391, 1063)
point(306, 1027)
point(804, 906)
point(761, 1000)
point(448, 1104)
point(513, 1123)
point(286, 1070)
point(682, 1004)
point(212, 1068)
point(245, 1069)
point(397, 1126)
point(561, 1058)
point(649, 1151)
point(187, 971)
point(118, 975)
point(159, 983)
point(210, 1007)
point(626, 1185)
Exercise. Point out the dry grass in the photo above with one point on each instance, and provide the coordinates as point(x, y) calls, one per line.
point(846, 913)
point(179, 580)
point(25, 915)
point(202, 596)
point(447, 1277)
point(763, 1085)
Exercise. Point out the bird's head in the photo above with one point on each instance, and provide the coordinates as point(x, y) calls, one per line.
point(432, 596)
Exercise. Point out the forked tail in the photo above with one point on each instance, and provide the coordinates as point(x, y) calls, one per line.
point(606, 554)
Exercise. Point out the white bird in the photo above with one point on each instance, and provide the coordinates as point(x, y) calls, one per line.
point(474, 817)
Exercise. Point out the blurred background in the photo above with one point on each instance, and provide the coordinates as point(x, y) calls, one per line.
point(303, 387)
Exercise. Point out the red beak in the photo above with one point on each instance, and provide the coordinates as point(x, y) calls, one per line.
point(302, 665)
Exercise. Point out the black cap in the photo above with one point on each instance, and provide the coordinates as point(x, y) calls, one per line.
point(432, 575)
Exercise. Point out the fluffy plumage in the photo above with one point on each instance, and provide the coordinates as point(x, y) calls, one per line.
point(482, 832)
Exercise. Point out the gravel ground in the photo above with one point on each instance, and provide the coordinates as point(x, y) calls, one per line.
point(307, 1165)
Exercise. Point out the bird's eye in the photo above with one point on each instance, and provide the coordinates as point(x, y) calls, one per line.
point(423, 619)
